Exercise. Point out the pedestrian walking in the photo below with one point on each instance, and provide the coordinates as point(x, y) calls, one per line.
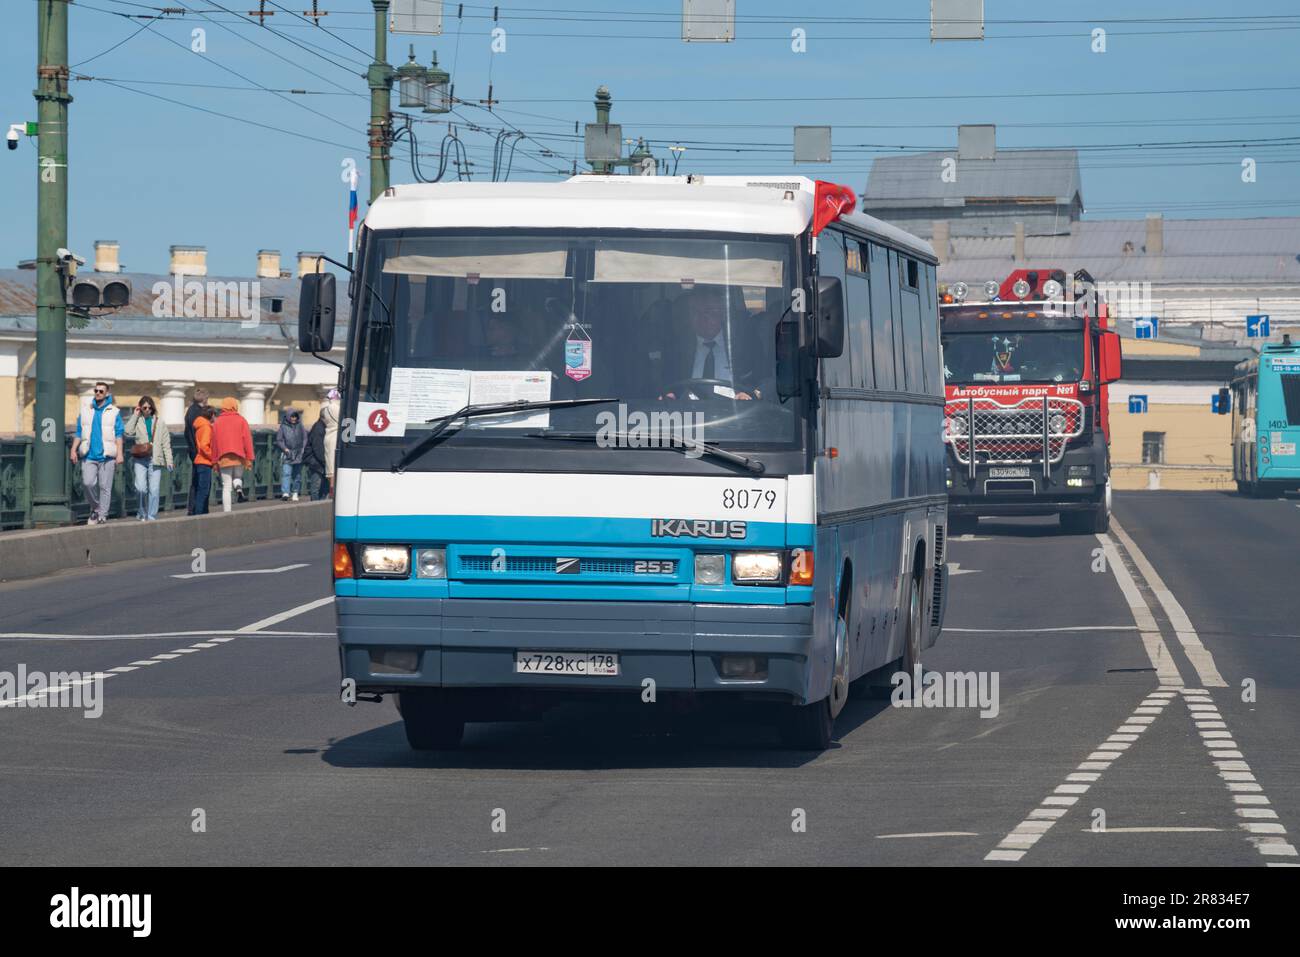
point(201, 486)
point(98, 447)
point(313, 459)
point(193, 412)
point(151, 455)
point(232, 445)
point(291, 441)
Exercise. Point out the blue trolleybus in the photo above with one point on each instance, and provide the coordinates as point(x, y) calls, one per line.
point(1266, 420)
point(657, 438)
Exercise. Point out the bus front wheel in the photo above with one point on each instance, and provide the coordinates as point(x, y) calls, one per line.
point(430, 724)
point(808, 727)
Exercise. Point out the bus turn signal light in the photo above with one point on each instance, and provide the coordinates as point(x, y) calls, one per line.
point(342, 561)
point(801, 566)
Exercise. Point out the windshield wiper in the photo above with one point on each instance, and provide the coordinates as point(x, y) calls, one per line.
point(735, 458)
point(470, 411)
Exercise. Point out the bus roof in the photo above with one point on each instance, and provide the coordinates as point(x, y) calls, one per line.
point(744, 204)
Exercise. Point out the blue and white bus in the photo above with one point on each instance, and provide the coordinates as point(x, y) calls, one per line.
point(1266, 420)
point(654, 437)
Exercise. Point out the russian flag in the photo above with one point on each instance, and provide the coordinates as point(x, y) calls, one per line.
point(352, 215)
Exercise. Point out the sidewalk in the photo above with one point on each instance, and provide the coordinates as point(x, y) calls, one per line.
point(38, 552)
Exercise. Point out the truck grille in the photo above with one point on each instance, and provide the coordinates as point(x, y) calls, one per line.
point(1012, 433)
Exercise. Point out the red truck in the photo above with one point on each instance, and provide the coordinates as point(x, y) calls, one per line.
point(1026, 426)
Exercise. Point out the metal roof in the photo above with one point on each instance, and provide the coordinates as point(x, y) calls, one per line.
point(1197, 252)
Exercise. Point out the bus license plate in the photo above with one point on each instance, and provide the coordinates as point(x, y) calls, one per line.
point(567, 663)
point(1009, 473)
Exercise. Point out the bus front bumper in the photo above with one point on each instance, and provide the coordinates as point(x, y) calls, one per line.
point(388, 644)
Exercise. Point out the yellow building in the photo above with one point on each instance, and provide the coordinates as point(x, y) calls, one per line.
point(1164, 432)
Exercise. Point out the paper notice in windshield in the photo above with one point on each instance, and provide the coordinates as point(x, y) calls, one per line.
point(428, 393)
point(487, 388)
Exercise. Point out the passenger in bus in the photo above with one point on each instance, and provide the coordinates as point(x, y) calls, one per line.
point(712, 349)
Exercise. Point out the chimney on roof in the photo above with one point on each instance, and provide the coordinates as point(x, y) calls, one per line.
point(268, 264)
point(1155, 234)
point(942, 240)
point(190, 260)
point(977, 141)
point(1019, 253)
point(106, 260)
point(307, 262)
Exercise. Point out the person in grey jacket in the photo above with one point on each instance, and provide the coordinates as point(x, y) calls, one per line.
point(151, 454)
point(291, 441)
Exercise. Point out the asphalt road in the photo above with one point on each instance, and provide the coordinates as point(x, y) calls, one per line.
point(1114, 710)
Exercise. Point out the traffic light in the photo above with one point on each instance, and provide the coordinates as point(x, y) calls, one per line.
point(99, 292)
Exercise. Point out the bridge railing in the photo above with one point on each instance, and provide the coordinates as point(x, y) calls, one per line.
point(16, 479)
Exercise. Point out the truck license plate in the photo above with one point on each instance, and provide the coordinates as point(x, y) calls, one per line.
point(1009, 473)
point(569, 663)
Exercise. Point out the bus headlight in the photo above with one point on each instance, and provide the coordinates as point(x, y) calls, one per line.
point(431, 563)
point(756, 568)
point(710, 569)
point(390, 561)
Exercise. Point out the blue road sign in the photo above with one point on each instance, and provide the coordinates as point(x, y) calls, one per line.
point(1146, 327)
point(1215, 407)
point(1137, 404)
point(1257, 327)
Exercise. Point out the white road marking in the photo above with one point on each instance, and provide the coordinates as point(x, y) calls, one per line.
point(145, 636)
point(245, 571)
point(1156, 649)
point(887, 837)
point(1150, 830)
point(954, 568)
point(285, 615)
point(1200, 657)
point(1036, 631)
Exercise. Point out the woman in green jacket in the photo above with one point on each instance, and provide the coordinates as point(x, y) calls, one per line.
point(151, 454)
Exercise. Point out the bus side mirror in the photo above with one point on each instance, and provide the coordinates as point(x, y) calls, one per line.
point(1109, 358)
point(1225, 401)
point(316, 301)
point(829, 342)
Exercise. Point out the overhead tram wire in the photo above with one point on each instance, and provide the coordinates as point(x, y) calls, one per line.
point(233, 72)
point(351, 70)
point(147, 25)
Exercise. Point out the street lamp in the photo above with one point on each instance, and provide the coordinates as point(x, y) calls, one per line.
point(437, 88)
point(410, 82)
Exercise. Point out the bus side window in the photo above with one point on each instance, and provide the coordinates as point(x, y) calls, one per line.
point(882, 322)
point(913, 341)
point(930, 331)
point(896, 311)
point(838, 372)
point(858, 293)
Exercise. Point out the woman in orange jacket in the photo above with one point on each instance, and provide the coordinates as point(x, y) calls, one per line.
point(203, 459)
point(232, 450)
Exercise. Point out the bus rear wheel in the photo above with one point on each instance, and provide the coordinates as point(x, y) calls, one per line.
point(430, 724)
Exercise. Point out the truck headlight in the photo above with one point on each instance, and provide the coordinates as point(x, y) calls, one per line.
point(756, 567)
point(1056, 424)
point(431, 563)
point(388, 561)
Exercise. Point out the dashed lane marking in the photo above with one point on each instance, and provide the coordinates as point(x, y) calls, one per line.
point(255, 629)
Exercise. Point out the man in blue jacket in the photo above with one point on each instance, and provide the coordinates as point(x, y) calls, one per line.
point(99, 448)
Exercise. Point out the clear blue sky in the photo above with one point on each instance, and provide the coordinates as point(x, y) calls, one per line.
point(151, 173)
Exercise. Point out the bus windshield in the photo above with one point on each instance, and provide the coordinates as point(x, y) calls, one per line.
point(1012, 356)
point(679, 324)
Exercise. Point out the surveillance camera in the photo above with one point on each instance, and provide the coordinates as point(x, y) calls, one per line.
point(13, 137)
point(67, 254)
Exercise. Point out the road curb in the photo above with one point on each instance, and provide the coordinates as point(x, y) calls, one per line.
point(33, 554)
